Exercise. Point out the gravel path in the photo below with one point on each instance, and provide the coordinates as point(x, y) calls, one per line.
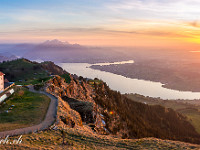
point(48, 121)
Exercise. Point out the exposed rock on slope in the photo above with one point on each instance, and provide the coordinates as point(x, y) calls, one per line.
point(107, 111)
point(75, 89)
point(67, 115)
point(79, 95)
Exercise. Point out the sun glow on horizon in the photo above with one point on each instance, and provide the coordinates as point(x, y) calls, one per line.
point(102, 23)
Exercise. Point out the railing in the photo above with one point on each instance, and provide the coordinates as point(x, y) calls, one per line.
point(9, 86)
point(6, 93)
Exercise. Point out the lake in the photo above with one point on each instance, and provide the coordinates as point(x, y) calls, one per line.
point(127, 85)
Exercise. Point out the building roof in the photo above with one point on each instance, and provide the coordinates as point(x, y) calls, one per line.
point(1, 73)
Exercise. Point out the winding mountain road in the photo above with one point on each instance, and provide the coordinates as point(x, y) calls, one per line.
point(47, 122)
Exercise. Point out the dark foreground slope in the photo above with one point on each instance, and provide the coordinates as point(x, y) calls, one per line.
point(143, 120)
point(77, 140)
point(189, 108)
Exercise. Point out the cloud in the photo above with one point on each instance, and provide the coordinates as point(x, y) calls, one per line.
point(97, 31)
point(120, 18)
point(194, 24)
point(157, 9)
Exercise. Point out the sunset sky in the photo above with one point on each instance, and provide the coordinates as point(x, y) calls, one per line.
point(102, 22)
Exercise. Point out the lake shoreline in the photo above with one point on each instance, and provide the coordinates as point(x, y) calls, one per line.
point(128, 85)
point(164, 85)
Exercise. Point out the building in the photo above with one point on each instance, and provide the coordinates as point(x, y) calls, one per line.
point(1, 81)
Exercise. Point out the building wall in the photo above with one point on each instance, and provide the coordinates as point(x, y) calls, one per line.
point(1, 83)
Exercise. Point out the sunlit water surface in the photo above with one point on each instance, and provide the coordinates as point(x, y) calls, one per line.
point(127, 85)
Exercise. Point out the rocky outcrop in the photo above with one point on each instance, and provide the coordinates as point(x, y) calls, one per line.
point(67, 115)
point(75, 89)
point(84, 108)
point(108, 112)
point(78, 96)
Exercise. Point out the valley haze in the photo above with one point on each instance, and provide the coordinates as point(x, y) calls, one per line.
point(151, 65)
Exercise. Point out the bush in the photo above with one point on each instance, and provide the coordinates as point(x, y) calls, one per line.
point(66, 77)
point(38, 86)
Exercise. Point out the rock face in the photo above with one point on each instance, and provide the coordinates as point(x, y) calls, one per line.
point(75, 89)
point(108, 112)
point(67, 115)
point(79, 97)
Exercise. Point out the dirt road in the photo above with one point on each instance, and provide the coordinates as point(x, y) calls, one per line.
point(48, 121)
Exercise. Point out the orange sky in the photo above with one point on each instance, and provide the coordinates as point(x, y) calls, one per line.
point(144, 34)
point(107, 22)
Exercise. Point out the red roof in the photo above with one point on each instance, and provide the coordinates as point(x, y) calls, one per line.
point(1, 74)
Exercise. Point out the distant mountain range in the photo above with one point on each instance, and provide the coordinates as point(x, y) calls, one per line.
point(7, 57)
point(58, 51)
point(55, 42)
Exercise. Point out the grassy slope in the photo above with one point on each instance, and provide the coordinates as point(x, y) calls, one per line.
point(188, 108)
point(24, 70)
point(30, 109)
point(75, 139)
